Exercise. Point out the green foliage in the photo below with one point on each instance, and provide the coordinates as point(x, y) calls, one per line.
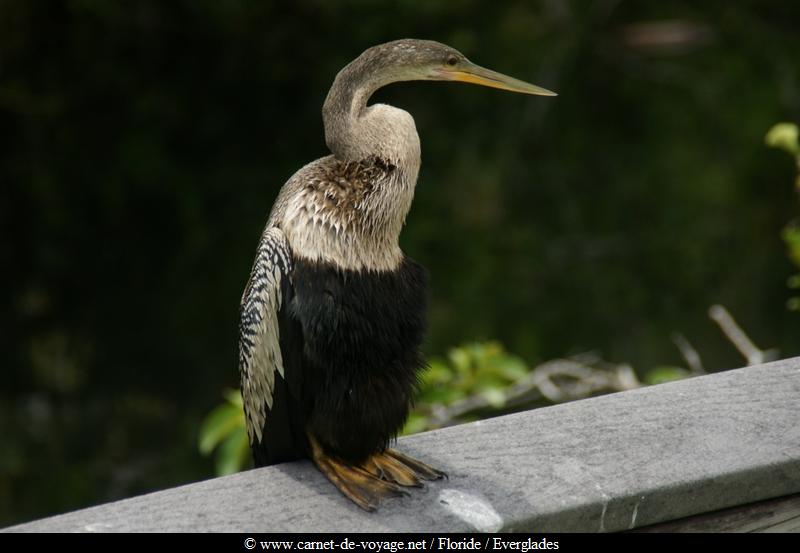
point(478, 368)
point(224, 429)
point(475, 368)
point(784, 136)
point(660, 375)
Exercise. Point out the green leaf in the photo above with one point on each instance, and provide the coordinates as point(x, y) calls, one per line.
point(233, 453)
point(665, 374)
point(441, 394)
point(234, 397)
point(438, 373)
point(482, 352)
point(495, 397)
point(785, 137)
point(461, 359)
point(511, 367)
point(221, 422)
point(488, 380)
point(415, 423)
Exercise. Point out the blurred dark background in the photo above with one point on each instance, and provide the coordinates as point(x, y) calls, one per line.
point(142, 144)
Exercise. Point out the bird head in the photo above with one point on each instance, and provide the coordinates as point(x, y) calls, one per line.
point(426, 60)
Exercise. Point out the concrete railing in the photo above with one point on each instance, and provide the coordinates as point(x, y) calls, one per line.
point(616, 462)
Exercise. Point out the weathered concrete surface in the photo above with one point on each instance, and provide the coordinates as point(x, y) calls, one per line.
point(609, 463)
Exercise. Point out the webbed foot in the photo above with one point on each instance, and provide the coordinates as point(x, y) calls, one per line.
point(381, 476)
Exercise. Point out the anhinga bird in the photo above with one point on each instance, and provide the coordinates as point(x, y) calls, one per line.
point(334, 313)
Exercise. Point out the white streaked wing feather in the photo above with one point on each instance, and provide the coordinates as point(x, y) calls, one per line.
point(259, 340)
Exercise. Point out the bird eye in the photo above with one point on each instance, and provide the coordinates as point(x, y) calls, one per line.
point(452, 60)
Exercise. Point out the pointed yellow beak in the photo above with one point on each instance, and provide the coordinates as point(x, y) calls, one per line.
point(468, 72)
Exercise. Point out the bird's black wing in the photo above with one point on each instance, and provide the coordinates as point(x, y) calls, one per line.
point(261, 360)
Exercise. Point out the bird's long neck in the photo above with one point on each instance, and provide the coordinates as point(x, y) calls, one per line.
point(357, 132)
point(379, 136)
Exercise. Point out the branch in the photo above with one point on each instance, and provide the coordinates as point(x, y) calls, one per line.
point(690, 355)
point(738, 338)
point(557, 381)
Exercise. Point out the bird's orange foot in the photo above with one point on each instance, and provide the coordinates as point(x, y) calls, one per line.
point(381, 476)
point(401, 469)
point(363, 488)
